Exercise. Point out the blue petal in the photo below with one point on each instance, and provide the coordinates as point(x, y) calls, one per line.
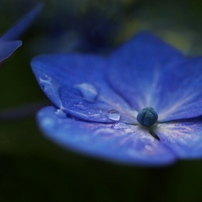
point(184, 138)
point(149, 73)
point(183, 92)
point(7, 48)
point(75, 84)
point(124, 143)
point(19, 28)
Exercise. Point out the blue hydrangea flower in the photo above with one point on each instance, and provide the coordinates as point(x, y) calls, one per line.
point(9, 42)
point(97, 100)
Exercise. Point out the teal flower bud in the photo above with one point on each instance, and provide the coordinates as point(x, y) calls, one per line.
point(147, 117)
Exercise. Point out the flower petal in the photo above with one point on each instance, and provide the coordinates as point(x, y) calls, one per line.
point(19, 28)
point(7, 48)
point(121, 143)
point(184, 137)
point(183, 92)
point(149, 73)
point(75, 84)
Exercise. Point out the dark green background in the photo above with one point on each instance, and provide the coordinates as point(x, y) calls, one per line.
point(34, 169)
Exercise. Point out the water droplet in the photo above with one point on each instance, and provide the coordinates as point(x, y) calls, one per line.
point(113, 115)
point(120, 126)
point(87, 90)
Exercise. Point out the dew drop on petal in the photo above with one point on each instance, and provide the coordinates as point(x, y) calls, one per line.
point(113, 115)
point(88, 91)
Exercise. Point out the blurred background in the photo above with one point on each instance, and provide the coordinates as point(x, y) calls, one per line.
point(32, 168)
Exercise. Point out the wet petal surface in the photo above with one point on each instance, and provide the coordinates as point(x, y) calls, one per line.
point(124, 143)
point(75, 83)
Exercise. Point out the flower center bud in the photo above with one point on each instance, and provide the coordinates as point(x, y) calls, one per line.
point(147, 117)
